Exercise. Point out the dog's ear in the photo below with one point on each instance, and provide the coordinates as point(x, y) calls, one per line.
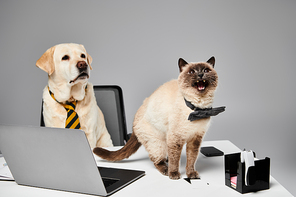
point(89, 60)
point(46, 62)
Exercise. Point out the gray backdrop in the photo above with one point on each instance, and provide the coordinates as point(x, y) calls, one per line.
point(136, 44)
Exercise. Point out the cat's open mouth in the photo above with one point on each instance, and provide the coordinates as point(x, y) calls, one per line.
point(200, 85)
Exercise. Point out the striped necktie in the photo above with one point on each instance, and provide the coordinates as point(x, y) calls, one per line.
point(72, 121)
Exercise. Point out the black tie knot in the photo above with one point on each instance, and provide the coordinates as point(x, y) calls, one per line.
point(200, 113)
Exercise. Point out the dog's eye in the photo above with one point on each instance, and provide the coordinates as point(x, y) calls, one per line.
point(65, 57)
point(82, 55)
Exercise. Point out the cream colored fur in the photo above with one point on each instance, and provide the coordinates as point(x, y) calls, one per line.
point(161, 124)
point(153, 124)
point(63, 82)
point(158, 128)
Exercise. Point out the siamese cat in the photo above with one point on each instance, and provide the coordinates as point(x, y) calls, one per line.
point(178, 112)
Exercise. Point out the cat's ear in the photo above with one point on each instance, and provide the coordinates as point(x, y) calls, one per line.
point(212, 61)
point(181, 63)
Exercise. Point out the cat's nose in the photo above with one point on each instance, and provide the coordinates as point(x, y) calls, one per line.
point(200, 75)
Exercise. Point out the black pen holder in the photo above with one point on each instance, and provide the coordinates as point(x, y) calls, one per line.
point(258, 175)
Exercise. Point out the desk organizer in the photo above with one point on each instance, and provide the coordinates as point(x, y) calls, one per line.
point(235, 174)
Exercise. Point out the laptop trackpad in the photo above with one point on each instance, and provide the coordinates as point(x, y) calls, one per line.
point(109, 181)
point(118, 178)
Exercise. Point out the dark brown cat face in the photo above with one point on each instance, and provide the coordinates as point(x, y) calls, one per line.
point(198, 78)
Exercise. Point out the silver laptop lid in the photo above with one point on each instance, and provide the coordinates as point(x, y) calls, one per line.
point(38, 156)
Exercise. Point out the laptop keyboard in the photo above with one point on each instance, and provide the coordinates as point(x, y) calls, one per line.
point(108, 182)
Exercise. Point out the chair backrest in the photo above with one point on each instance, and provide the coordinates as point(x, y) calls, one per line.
point(110, 100)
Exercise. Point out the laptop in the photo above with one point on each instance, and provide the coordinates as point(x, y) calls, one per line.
point(60, 159)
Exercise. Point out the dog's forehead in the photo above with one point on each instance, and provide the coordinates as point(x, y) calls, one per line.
point(63, 49)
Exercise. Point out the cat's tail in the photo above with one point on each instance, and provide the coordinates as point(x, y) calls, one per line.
point(129, 148)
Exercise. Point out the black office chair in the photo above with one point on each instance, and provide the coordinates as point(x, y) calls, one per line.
point(110, 101)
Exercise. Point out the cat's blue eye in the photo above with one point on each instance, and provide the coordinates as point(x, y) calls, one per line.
point(191, 72)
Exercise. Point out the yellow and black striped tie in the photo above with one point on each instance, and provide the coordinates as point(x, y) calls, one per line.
point(72, 121)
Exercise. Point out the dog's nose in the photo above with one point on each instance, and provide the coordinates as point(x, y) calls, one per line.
point(82, 65)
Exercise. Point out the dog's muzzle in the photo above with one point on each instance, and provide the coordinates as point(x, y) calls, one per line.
point(83, 71)
point(82, 66)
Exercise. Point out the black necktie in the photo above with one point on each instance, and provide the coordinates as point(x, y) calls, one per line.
point(203, 113)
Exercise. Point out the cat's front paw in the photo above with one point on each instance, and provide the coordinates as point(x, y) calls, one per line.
point(175, 175)
point(193, 175)
point(162, 167)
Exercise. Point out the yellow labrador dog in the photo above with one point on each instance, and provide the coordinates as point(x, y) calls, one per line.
point(68, 67)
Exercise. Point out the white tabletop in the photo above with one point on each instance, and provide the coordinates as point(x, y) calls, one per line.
point(211, 170)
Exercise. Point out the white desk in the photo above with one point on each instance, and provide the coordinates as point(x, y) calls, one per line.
point(211, 170)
